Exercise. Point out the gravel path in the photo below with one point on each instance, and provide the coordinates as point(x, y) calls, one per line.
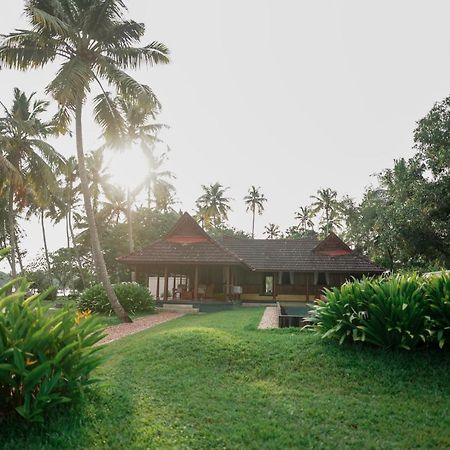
point(115, 332)
point(269, 318)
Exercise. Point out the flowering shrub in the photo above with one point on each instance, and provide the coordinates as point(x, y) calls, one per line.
point(45, 359)
point(132, 296)
point(394, 312)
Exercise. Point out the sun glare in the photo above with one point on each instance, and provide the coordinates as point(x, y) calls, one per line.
point(128, 168)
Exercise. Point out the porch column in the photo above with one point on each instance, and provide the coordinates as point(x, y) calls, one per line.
point(227, 290)
point(166, 283)
point(307, 286)
point(157, 286)
point(274, 287)
point(196, 282)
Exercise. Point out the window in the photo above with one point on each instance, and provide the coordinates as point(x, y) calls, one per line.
point(322, 279)
point(285, 278)
point(268, 284)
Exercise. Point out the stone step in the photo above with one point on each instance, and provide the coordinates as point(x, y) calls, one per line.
point(181, 308)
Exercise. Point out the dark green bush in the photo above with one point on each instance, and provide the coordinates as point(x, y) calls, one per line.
point(45, 358)
point(394, 312)
point(132, 296)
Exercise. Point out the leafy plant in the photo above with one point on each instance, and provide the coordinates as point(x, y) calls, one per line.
point(45, 359)
point(403, 311)
point(132, 296)
point(438, 296)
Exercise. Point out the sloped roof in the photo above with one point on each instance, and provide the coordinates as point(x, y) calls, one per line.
point(188, 243)
point(185, 243)
point(296, 255)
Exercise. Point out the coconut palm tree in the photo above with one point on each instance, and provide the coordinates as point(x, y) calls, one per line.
point(213, 206)
point(304, 216)
point(127, 122)
point(326, 202)
point(272, 231)
point(94, 44)
point(254, 201)
point(31, 160)
point(115, 204)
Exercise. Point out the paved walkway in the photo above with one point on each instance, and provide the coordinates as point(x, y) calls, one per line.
point(115, 332)
point(269, 318)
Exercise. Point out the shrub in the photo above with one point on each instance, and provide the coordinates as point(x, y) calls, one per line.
point(395, 312)
point(132, 296)
point(438, 296)
point(45, 359)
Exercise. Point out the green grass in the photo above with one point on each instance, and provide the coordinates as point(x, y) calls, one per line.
point(214, 381)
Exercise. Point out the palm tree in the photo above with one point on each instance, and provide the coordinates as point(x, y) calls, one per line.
point(115, 204)
point(272, 231)
point(94, 44)
point(98, 177)
point(213, 206)
point(326, 202)
point(126, 122)
point(255, 202)
point(304, 216)
point(31, 160)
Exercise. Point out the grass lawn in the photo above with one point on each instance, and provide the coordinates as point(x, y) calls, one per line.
point(215, 381)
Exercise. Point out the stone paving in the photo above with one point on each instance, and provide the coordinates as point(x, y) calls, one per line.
point(269, 318)
point(121, 330)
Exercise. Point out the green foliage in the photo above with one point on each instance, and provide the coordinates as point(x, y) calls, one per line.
point(214, 381)
point(132, 296)
point(45, 359)
point(396, 312)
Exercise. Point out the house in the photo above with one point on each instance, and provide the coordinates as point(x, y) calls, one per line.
point(190, 265)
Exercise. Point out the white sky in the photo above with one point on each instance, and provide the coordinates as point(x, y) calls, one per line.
point(288, 95)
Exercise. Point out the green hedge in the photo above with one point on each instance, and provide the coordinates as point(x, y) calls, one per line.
point(45, 358)
point(132, 296)
point(393, 312)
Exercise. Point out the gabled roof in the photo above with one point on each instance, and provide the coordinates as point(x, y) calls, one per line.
point(298, 255)
point(185, 243)
point(188, 243)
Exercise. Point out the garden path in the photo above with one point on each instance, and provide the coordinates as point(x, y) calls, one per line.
point(121, 330)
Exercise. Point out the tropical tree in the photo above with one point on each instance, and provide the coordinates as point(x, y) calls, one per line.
point(326, 203)
point(213, 206)
point(94, 44)
point(29, 162)
point(304, 216)
point(254, 201)
point(127, 122)
point(272, 231)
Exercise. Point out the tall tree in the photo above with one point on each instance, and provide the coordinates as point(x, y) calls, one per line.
point(31, 160)
point(272, 231)
point(304, 216)
point(326, 203)
point(95, 44)
point(213, 206)
point(254, 201)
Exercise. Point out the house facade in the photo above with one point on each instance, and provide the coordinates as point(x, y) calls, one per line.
point(189, 265)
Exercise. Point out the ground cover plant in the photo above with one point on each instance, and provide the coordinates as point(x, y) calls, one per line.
point(403, 311)
point(45, 359)
point(132, 296)
point(214, 381)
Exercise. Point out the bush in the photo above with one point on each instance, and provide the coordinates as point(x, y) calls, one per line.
point(132, 296)
point(395, 312)
point(45, 359)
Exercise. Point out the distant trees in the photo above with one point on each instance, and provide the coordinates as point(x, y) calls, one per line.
point(94, 44)
point(28, 161)
point(213, 206)
point(254, 201)
point(272, 231)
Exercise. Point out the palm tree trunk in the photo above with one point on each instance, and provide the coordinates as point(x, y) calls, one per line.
point(12, 231)
point(99, 261)
point(77, 253)
point(253, 224)
point(44, 237)
point(130, 230)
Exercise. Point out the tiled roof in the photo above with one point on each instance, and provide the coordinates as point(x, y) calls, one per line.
point(188, 243)
point(295, 255)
